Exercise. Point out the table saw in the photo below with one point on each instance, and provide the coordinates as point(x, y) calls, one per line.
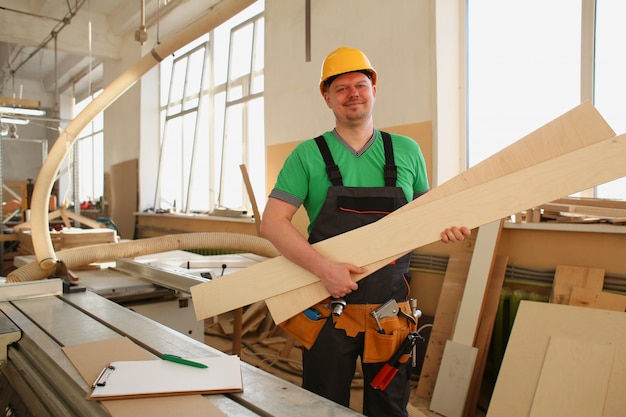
point(38, 379)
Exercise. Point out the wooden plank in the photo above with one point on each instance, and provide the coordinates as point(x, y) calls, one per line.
point(443, 324)
point(587, 297)
point(123, 196)
point(480, 270)
point(516, 156)
point(457, 365)
point(255, 209)
point(567, 359)
point(585, 210)
point(7, 237)
point(535, 324)
point(482, 204)
point(567, 277)
point(592, 202)
point(416, 226)
point(19, 102)
point(449, 396)
point(485, 331)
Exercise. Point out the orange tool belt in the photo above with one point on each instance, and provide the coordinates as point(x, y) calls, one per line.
point(356, 318)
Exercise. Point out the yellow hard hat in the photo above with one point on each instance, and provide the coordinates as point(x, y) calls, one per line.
point(344, 60)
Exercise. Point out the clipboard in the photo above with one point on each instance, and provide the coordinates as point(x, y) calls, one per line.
point(147, 378)
point(91, 357)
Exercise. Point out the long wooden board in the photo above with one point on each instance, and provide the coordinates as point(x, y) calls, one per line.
point(400, 232)
point(581, 169)
point(579, 127)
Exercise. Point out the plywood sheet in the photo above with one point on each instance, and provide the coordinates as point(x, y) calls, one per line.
point(414, 226)
point(534, 327)
point(124, 196)
point(574, 379)
point(457, 365)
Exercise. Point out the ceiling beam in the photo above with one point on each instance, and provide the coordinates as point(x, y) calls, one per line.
point(72, 38)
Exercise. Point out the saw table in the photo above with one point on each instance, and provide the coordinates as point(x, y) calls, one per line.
point(39, 380)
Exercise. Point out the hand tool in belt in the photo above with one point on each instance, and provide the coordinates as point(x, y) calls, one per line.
point(390, 369)
point(388, 309)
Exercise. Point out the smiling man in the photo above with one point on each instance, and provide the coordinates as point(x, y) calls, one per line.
point(347, 178)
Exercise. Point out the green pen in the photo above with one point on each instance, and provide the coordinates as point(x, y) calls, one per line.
point(178, 359)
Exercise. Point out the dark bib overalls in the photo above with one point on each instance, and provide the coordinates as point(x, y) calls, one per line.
point(330, 364)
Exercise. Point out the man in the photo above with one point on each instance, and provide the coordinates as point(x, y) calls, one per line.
point(347, 178)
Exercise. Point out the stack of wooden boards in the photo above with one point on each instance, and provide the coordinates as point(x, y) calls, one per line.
point(69, 236)
point(576, 210)
point(453, 386)
point(583, 287)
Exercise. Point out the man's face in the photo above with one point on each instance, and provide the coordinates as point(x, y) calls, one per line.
point(351, 97)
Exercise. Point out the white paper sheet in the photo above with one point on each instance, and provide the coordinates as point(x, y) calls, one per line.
point(160, 377)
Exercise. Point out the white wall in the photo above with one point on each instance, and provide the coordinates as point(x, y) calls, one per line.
point(395, 35)
point(121, 118)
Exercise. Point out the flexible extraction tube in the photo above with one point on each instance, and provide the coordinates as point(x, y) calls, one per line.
point(110, 251)
point(42, 244)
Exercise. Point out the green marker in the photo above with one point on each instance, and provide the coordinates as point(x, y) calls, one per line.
point(178, 359)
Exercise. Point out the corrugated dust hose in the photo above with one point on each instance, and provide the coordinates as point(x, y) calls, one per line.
point(109, 252)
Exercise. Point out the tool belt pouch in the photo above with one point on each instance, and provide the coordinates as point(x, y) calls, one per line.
point(304, 329)
point(380, 347)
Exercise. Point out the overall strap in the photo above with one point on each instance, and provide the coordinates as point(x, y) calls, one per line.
point(334, 175)
point(391, 170)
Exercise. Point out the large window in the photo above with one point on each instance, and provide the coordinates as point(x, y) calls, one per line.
point(86, 165)
point(524, 69)
point(610, 77)
point(212, 119)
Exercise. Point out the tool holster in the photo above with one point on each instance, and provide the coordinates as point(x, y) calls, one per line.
point(306, 326)
point(380, 343)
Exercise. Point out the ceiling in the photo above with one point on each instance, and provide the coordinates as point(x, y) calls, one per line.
point(30, 51)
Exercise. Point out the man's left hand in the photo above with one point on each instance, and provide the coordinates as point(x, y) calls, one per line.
point(455, 234)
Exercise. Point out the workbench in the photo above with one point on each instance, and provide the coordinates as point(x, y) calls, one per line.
point(47, 383)
point(152, 224)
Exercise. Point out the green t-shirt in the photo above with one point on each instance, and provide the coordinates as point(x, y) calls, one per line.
point(303, 178)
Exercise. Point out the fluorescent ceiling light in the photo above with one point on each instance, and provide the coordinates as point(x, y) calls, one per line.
point(11, 121)
point(22, 111)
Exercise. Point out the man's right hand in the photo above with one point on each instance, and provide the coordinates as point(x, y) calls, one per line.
point(337, 278)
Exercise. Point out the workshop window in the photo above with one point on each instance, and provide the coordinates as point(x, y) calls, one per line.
point(212, 120)
point(88, 172)
point(610, 77)
point(526, 66)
